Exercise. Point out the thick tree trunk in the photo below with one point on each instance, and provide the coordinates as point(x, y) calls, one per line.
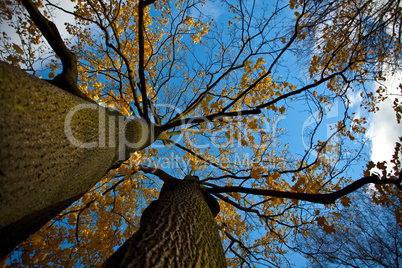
point(177, 230)
point(54, 147)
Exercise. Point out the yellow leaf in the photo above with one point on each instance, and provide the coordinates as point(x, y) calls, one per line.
point(236, 196)
point(255, 174)
point(329, 229)
point(37, 239)
point(321, 220)
point(292, 4)
point(244, 142)
point(13, 59)
point(370, 165)
point(18, 49)
point(345, 201)
point(72, 219)
point(381, 165)
point(25, 258)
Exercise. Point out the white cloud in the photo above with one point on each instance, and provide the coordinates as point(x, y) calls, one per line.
point(60, 17)
point(384, 130)
point(355, 99)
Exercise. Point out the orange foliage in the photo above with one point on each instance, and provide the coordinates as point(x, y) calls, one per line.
point(235, 73)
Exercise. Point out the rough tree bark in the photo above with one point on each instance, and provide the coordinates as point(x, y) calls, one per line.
point(43, 167)
point(177, 230)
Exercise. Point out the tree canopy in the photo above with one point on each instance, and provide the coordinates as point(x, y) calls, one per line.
point(217, 79)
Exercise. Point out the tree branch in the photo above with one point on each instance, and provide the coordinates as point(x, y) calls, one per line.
point(284, 49)
point(200, 157)
point(67, 80)
point(315, 198)
point(157, 172)
point(141, 54)
point(119, 52)
point(208, 118)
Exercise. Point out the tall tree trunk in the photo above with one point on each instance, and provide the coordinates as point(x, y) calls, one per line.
point(177, 230)
point(54, 147)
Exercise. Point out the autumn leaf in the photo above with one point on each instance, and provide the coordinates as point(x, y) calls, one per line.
point(18, 49)
point(345, 201)
point(321, 220)
point(329, 229)
point(212, 94)
point(13, 59)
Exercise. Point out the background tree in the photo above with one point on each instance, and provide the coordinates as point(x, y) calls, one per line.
point(366, 235)
point(211, 85)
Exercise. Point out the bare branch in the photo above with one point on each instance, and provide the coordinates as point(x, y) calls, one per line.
point(200, 157)
point(67, 80)
point(314, 198)
point(141, 71)
point(122, 56)
point(208, 118)
point(157, 172)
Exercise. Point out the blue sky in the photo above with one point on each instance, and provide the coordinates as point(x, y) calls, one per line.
point(383, 128)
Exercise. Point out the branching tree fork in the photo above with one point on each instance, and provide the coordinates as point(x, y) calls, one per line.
point(169, 73)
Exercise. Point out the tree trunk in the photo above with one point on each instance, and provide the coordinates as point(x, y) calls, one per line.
point(177, 230)
point(54, 147)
